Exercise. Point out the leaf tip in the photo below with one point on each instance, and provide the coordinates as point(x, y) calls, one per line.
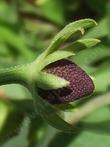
point(93, 21)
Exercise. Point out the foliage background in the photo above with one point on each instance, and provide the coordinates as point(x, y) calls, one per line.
point(26, 29)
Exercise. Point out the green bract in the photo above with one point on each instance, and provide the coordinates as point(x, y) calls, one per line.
point(33, 76)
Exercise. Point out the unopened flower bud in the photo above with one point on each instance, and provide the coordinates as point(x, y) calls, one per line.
point(81, 84)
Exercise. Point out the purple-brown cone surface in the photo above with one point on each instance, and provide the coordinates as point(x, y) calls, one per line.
point(80, 85)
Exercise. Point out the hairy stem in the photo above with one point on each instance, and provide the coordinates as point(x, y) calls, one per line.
point(12, 75)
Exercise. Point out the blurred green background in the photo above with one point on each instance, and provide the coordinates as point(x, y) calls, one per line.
point(26, 29)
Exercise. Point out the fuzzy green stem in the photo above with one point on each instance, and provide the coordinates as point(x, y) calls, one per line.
point(12, 75)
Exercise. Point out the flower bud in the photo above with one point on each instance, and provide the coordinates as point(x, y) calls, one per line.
point(81, 84)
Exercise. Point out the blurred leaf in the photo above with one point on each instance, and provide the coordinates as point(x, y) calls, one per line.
point(91, 55)
point(98, 116)
point(15, 40)
point(4, 52)
point(45, 141)
point(3, 113)
point(102, 80)
point(64, 139)
point(19, 92)
point(8, 13)
point(90, 139)
point(44, 29)
point(36, 130)
point(9, 116)
point(98, 122)
point(94, 124)
point(53, 10)
point(21, 139)
point(95, 129)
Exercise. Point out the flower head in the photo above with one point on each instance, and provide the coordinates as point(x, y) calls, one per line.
point(81, 84)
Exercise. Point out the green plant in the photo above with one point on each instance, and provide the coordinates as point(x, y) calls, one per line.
point(26, 29)
point(32, 75)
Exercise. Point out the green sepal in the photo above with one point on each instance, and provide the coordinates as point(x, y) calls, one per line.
point(49, 81)
point(57, 55)
point(69, 31)
point(81, 45)
point(70, 50)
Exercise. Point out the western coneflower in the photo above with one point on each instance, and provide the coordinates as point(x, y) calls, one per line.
point(80, 85)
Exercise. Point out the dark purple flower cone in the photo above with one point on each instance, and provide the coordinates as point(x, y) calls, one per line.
point(80, 85)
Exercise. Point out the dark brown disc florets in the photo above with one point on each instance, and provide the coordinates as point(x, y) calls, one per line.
point(80, 85)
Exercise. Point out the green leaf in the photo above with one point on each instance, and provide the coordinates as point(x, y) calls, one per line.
point(48, 81)
point(4, 52)
point(3, 113)
point(21, 138)
point(96, 124)
point(37, 130)
point(10, 121)
point(52, 10)
point(91, 55)
point(48, 111)
point(89, 69)
point(99, 31)
point(15, 40)
point(90, 139)
point(99, 129)
point(69, 50)
point(69, 31)
point(99, 116)
point(46, 139)
point(81, 44)
point(49, 10)
point(95, 127)
point(8, 13)
point(55, 56)
point(102, 80)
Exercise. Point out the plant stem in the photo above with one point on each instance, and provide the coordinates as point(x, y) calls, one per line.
point(12, 75)
point(89, 107)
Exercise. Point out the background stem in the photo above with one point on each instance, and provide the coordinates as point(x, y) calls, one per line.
point(89, 107)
